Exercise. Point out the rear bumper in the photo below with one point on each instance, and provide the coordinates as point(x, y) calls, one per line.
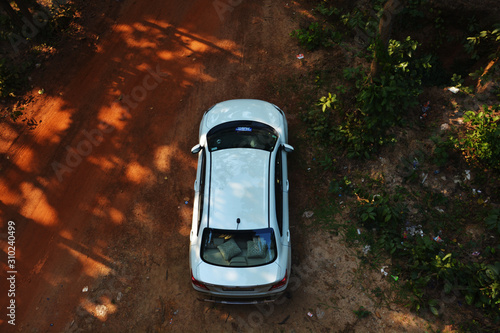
point(241, 297)
point(238, 301)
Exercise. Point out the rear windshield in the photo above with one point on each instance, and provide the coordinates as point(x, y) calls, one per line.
point(239, 248)
point(242, 134)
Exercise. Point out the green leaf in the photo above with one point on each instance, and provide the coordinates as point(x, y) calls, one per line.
point(434, 311)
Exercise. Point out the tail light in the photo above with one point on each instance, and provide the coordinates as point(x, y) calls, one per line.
point(280, 284)
point(197, 283)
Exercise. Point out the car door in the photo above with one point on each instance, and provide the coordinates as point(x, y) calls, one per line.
point(199, 196)
point(281, 201)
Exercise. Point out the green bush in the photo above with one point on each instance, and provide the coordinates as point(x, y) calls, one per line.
point(420, 260)
point(15, 68)
point(316, 35)
point(487, 42)
point(12, 78)
point(493, 220)
point(479, 141)
point(382, 102)
point(442, 151)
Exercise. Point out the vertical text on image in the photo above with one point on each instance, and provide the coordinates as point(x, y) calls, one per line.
point(11, 272)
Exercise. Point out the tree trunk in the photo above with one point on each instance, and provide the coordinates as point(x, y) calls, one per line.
point(391, 8)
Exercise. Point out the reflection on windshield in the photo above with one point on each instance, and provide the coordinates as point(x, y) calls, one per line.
point(238, 248)
point(242, 134)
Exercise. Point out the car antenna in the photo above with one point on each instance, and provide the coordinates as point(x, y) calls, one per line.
point(238, 223)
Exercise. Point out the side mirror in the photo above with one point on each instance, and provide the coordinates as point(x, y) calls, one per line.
point(287, 148)
point(196, 149)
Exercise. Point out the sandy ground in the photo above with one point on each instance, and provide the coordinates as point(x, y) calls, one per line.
point(100, 192)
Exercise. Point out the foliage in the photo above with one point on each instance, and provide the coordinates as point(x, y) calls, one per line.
point(415, 8)
point(316, 35)
point(12, 77)
point(356, 19)
point(423, 261)
point(493, 220)
point(379, 211)
point(342, 186)
point(361, 312)
point(479, 283)
point(383, 102)
point(360, 119)
point(329, 101)
point(62, 14)
point(479, 141)
point(54, 18)
point(458, 82)
point(14, 68)
point(326, 11)
point(489, 40)
point(441, 152)
point(485, 43)
point(384, 213)
point(402, 61)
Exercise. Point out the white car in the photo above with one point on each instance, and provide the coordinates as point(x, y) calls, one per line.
point(239, 249)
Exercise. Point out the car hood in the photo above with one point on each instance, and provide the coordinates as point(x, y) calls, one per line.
point(238, 276)
point(243, 109)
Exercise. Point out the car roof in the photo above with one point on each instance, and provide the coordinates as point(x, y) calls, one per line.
point(243, 109)
point(239, 189)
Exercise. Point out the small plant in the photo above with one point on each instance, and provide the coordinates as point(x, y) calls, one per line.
point(13, 76)
point(480, 140)
point(415, 8)
point(433, 306)
point(316, 35)
point(381, 102)
point(329, 101)
point(489, 40)
point(493, 220)
point(328, 163)
point(342, 186)
point(441, 153)
point(378, 292)
point(326, 11)
point(361, 312)
point(380, 211)
point(458, 82)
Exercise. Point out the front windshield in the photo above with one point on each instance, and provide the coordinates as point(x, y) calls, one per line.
point(242, 134)
point(238, 248)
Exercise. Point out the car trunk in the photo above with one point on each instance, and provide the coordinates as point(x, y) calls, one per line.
point(238, 278)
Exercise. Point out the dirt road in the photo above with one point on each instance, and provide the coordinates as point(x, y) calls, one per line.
point(100, 192)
